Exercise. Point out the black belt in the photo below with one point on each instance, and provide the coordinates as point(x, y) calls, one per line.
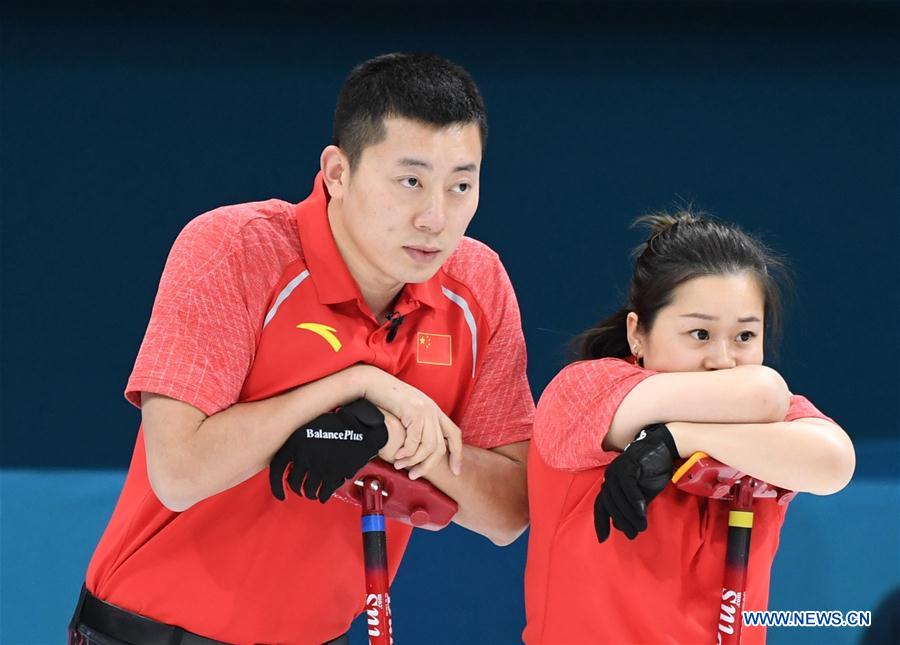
point(131, 628)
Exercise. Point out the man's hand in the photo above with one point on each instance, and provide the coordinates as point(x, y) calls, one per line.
point(396, 437)
point(328, 450)
point(632, 480)
point(396, 440)
point(425, 425)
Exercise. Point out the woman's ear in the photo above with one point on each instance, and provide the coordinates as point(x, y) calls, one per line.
point(635, 336)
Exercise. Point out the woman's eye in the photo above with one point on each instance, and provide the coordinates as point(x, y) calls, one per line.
point(461, 188)
point(745, 336)
point(700, 334)
point(410, 182)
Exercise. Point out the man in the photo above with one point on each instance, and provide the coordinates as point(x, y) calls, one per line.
point(270, 315)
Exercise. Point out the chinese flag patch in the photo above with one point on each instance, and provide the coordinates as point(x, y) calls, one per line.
point(434, 349)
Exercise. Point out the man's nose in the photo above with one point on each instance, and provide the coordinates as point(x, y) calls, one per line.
point(433, 215)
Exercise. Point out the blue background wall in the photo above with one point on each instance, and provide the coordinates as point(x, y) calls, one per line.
point(118, 127)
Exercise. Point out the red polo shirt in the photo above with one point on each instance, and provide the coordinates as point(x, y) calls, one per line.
point(256, 300)
point(664, 586)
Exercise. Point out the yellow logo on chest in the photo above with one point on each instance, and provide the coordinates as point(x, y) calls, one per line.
point(325, 332)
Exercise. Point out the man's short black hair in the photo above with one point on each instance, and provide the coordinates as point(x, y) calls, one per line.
point(420, 87)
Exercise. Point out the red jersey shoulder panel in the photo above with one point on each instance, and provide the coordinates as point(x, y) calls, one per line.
point(575, 411)
point(212, 296)
point(478, 267)
point(501, 408)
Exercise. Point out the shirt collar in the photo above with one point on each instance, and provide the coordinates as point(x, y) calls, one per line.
point(333, 281)
point(429, 292)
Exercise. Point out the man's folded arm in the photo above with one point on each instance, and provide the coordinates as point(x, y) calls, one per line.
point(491, 490)
point(191, 456)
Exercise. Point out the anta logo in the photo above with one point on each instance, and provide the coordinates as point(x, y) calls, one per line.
point(434, 349)
point(325, 332)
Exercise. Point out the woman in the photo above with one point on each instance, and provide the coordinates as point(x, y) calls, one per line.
point(677, 370)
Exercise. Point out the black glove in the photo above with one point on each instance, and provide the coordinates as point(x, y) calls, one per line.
point(633, 479)
point(328, 450)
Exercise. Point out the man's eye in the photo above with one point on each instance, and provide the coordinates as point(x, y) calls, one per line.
point(746, 336)
point(700, 334)
point(462, 187)
point(410, 182)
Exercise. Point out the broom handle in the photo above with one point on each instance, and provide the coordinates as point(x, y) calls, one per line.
point(737, 558)
point(378, 600)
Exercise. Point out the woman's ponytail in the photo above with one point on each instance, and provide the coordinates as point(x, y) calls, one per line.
point(606, 338)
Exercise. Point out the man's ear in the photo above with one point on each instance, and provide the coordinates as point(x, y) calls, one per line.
point(336, 171)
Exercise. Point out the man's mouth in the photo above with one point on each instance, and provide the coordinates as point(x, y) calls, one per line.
point(422, 254)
